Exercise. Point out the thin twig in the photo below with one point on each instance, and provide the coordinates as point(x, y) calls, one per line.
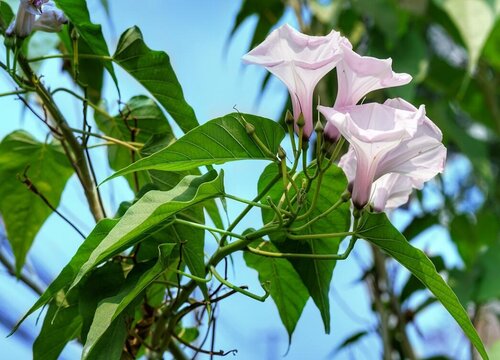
point(25, 279)
point(31, 187)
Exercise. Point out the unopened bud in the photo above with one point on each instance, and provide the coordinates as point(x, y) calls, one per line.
point(289, 118)
point(319, 127)
point(301, 121)
point(74, 34)
point(281, 153)
point(346, 195)
point(250, 129)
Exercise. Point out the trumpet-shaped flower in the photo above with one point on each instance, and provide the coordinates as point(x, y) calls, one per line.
point(394, 137)
point(299, 61)
point(388, 192)
point(50, 18)
point(358, 75)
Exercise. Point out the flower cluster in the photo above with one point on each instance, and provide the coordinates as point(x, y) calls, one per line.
point(34, 15)
point(394, 147)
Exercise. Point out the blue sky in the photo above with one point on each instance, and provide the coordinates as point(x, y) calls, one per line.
point(196, 36)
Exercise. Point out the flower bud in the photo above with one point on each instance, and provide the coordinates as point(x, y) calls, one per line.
point(289, 118)
point(319, 127)
point(281, 153)
point(250, 129)
point(300, 121)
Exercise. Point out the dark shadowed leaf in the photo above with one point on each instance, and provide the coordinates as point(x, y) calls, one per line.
point(57, 331)
point(109, 309)
point(6, 16)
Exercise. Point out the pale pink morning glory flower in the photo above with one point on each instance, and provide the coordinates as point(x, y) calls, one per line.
point(50, 18)
point(299, 61)
point(358, 75)
point(394, 137)
point(388, 192)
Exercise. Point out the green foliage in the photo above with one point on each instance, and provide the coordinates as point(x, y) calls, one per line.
point(268, 13)
point(474, 20)
point(378, 230)
point(130, 269)
point(6, 16)
point(473, 236)
point(224, 139)
point(154, 71)
point(77, 12)
point(315, 274)
point(44, 170)
point(285, 286)
point(141, 220)
point(62, 324)
point(140, 120)
point(149, 214)
point(90, 72)
point(111, 308)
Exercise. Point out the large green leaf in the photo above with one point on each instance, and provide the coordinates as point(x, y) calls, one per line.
point(112, 236)
point(103, 282)
point(151, 212)
point(78, 13)
point(315, 274)
point(474, 20)
point(57, 331)
point(215, 142)
point(377, 229)
point(154, 71)
point(112, 342)
point(24, 212)
point(110, 308)
point(285, 285)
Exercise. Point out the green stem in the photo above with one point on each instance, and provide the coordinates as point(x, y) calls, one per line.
point(239, 289)
point(249, 207)
point(253, 203)
point(108, 138)
point(318, 236)
point(192, 277)
point(77, 156)
point(276, 210)
point(284, 176)
point(344, 198)
point(342, 256)
point(92, 105)
point(18, 92)
point(70, 56)
point(335, 153)
point(315, 198)
point(176, 351)
point(204, 227)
